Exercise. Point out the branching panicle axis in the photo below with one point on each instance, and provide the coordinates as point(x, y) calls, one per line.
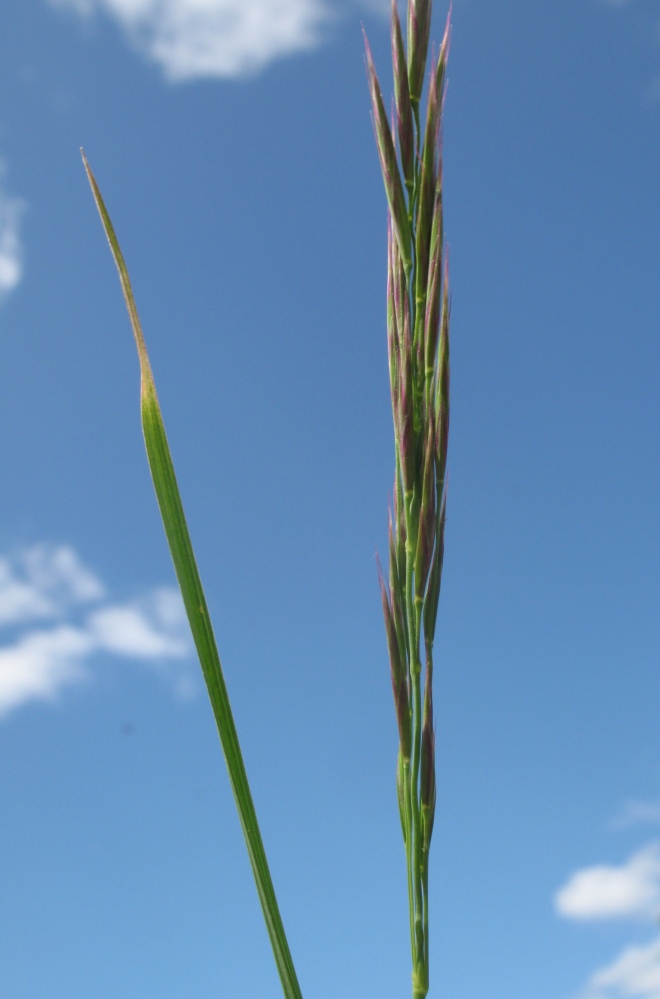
point(418, 347)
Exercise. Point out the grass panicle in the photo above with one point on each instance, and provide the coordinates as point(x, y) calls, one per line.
point(418, 354)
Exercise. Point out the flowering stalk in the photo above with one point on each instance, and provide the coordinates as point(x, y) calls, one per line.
point(418, 350)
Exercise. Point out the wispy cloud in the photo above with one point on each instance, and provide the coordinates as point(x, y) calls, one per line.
point(631, 890)
point(192, 39)
point(635, 974)
point(56, 617)
point(11, 251)
point(635, 813)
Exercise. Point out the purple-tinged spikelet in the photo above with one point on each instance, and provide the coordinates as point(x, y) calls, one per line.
point(399, 293)
point(427, 515)
point(442, 386)
point(427, 761)
point(427, 783)
point(406, 427)
point(389, 167)
point(398, 673)
point(426, 195)
point(419, 26)
point(400, 535)
point(392, 326)
point(434, 285)
point(404, 114)
point(443, 56)
point(435, 578)
point(397, 597)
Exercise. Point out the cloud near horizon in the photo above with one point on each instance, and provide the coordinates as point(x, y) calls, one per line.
point(56, 618)
point(11, 250)
point(194, 39)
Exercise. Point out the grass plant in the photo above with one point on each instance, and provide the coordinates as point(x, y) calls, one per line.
point(418, 348)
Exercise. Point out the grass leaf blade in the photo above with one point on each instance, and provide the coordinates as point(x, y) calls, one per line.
point(176, 530)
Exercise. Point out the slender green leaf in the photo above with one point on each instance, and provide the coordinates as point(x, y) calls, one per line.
point(169, 501)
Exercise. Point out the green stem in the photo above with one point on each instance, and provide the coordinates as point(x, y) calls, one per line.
point(416, 846)
point(408, 825)
point(413, 847)
point(425, 894)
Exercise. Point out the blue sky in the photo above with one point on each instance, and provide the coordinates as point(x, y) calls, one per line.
point(233, 145)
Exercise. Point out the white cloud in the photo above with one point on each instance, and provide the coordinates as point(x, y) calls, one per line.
point(60, 618)
point(40, 663)
point(606, 892)
point(11, 251)
point(635, 974)
point(190, 39)
point(128, 631)
point(42, 582)
point(630, 891)
point(635, 812)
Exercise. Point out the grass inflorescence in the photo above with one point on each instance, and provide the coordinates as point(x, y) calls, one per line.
point(410, 154)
